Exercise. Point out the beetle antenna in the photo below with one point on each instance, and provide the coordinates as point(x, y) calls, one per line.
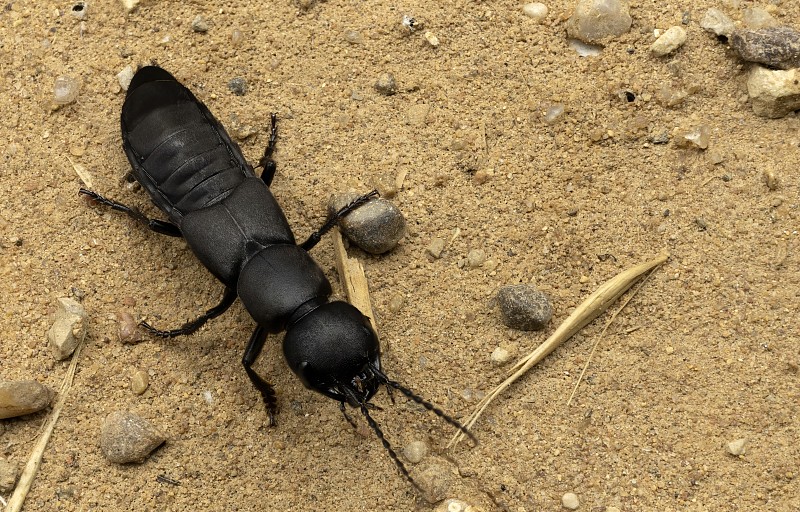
point(426, 404)
point(374, 425)
point(378, 432)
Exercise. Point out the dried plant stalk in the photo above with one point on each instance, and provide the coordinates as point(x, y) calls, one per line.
point(354, 281)
point(587, 311)
point(35, 460)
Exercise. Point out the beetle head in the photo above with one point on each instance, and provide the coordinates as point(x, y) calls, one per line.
point(334, 351)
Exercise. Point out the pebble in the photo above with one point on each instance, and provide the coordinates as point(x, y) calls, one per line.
point(353, 37)
point(536, 11)
point(417, 114)
point(435, 479)
point(596, 20)
point(773, 93)
point(385, 185)
point(65, 90)
point(8, 476)
point(553, 113)
point(127, 437)
point(476, 258)
point(431, 38)
point(386, 84)
point(585, 49)
point(20, 397)
point(524, 307)
point(129, 5)
point(140, 381)
point(697, 136)
point(570, 501)
point(778, 47)
point(238, 86)
point(68, 329)
point(669, 41)
point(396, 303)
point(737, 447)
point(125, 76)
point(435, 248)
point(500, 356)
point(127, 328)
point(199, 24)
point(455, 505)
point(756, 17)
point(376, 227)
point(415, 451)
point(717, 22)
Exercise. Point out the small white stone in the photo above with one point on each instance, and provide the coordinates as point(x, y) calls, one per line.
point(432, 39)
point(500, 356)
point(773, 93)
point(125, 76)
point(415, 451)
point(65, 90)
point(537, 11)
point(737, 447)
point(570, 501)
point(130, 5)
point(669, 41)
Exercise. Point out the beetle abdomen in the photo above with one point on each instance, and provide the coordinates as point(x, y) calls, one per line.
point(179, 152)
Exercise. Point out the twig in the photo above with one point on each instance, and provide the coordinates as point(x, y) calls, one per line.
point(354, 282)
point(587, 311)
point(35, 460)
point(603, 333)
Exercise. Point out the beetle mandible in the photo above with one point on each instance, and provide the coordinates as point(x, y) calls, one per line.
point(228, 216)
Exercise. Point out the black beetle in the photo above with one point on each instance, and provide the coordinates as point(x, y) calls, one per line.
point(228, 216)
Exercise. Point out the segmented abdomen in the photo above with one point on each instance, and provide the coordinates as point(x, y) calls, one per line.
point(179, 152)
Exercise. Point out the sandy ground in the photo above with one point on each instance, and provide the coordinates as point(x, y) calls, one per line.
point(705, 354)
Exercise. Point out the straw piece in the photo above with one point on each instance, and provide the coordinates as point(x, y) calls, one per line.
point(587, 311)
point(35, 460)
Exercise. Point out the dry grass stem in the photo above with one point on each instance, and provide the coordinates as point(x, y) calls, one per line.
point(587, 311)
point(35, 460)
point(83, 174)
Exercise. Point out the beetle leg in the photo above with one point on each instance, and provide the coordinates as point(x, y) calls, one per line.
point(159, 226)
point(251, 353)
point(316, 236)
point(266, 163)
point(190, 327)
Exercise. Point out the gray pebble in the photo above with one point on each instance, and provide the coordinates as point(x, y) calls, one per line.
point(778, 47)
point(435, 478)
point(415, 451)
point(717, 22)
point(65, 90)
point(353, 37)
point(140, 382)
point(127, 437)
point(199, 24)
point(68, 329)
point(21, 397)
point(596, 20)
point(8, 476)
point(524, 307)
point(386, 84)
point(376, 227)
point(238, 86)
